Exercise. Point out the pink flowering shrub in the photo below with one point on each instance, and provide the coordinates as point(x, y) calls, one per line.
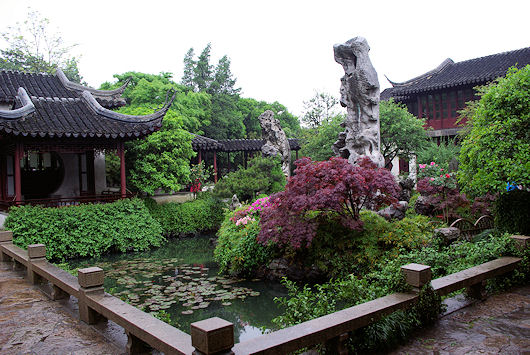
point(245, 214)
point(328, 190)
point(441, 190)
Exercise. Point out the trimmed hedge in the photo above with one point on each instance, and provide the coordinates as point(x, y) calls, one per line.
point(193, 217)
point(85, 230)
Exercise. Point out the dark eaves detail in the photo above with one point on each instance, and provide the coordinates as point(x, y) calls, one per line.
point(27, 107)
point(100, 110)
point(98, 93)
point(412, 81)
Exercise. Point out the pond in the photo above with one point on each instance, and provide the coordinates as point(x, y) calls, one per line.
point(181, 278)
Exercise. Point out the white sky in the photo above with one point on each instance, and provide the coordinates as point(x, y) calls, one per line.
point(280, 50)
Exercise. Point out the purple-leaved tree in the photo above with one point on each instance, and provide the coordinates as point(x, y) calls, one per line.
point(330, 189)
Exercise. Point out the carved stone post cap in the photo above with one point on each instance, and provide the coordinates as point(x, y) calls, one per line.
point(212, 335)
point(6, 236)
point(90, 277)
point(417, 275)
point(522, 241)
point(36, 251)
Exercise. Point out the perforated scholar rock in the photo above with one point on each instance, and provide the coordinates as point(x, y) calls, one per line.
point(359, 93)
point(276, 143)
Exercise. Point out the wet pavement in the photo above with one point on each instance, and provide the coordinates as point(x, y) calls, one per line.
point(30, 323)
point(498, 325)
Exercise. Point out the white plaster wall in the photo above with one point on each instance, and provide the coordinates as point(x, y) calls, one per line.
point(99, 173)
point(395, 166)
point(5, 107)
point(3, 217)
point(70, 185)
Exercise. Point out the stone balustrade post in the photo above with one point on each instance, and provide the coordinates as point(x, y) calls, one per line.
point(91, 283)
point(36, 253)
point(521, 241)
point(6, 237)
point(212, 336)
point(417, 275)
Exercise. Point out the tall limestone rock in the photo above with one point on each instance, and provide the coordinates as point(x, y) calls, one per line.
point(276, 142)
point(359, 93)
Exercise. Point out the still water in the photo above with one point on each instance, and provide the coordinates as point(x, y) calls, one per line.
point(181, 279)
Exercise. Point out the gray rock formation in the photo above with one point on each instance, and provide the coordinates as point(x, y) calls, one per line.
point(359, 93)
point(407, 185)
point(276, 142)
point(235, 204)
point(449, 234)
point(394, 212)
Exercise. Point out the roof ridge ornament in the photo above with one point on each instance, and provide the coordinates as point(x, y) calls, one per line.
point(99, 93)
point(27, 107)
point(100, 110)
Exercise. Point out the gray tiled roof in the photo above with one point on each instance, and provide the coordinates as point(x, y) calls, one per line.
point(52, 106)
point(476, 71)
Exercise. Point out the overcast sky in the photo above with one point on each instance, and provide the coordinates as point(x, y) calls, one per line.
point(280, 50)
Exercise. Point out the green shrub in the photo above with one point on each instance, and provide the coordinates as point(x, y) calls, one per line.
point(238, 251)
point(198, 216)
point(85, 230)
point(512, 212)
point(338, 251)
point(263, 176)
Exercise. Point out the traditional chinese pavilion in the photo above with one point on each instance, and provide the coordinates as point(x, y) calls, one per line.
point(439, 94)
point(52, 134)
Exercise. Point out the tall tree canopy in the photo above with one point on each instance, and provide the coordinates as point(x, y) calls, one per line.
point(33, 47)
point(320, 108)
point(497, 149)
point(232, 117)
point(402, 133)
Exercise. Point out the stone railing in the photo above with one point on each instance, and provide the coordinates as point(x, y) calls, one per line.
point(215, 335)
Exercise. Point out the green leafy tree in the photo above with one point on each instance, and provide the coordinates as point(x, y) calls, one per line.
point(402, 133)
point(318, 141)
point(226, 121)
point(150, 90)
point(320, 108)
point(223, 82)
point(497, 149)
point(251, 109)
point(32, 47)
point(189, 65)
point(160, 160)
point(203, 70)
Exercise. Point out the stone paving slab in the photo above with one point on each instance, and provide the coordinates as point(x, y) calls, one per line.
point(30, 323)
point(498, 325)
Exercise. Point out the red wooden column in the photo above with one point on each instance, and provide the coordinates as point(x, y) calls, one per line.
point(19, 154)
point(200, 156)
point(121, 153)
point(215, 166)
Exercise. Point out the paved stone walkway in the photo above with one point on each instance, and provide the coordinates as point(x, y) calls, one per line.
point(30, 323)
point(498, 325)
